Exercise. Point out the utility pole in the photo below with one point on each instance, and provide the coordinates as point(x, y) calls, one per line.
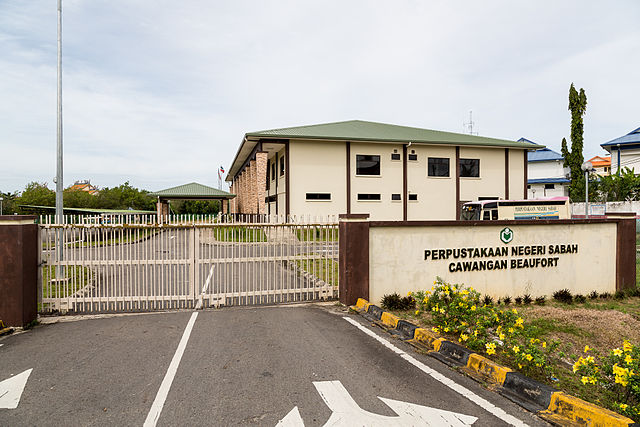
point(59, 175)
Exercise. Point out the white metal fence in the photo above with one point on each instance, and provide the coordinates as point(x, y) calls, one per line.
point(137, 266)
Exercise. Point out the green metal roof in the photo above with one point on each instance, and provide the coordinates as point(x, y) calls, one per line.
point(192, 191)
point(359, 130)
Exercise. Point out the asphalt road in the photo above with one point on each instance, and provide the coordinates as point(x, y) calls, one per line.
point(240, 366)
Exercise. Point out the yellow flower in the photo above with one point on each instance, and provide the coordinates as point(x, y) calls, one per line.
point(544, 344)
point(442, 310)
point(528, 357)
point(586, 348)
point(471, 289)
point(491, 351)
point(464, 337)
point(475, 333)
point(434, 329)
point(460, 304)
point(624, 406)
point(626, 345)
point(519, 366)
point(514, 311)
point(417, 312)
point(585, 379)
point(501, 336)
point(409, 293)
point(473, 308)
point(628, 360)
point(425, 300)
point(519, 321)
point(446, 329)
point(511, 330)
point(516, 349)
point(617, 352)
point(435, 282)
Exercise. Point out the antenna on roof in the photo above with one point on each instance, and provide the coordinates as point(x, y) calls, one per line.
point(468, 126)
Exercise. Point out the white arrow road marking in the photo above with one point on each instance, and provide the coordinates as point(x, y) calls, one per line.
point(11, 390)
point(484, 404)
point(293, 419)
point(345, 412)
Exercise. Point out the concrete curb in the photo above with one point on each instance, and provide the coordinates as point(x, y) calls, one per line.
point(549, 403)
point(4, 330)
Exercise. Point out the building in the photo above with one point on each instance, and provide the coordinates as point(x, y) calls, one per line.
point(191, 191)
point(625, 152)
point(84, 186)
point(601, 165)
point(390, 172)
point(547, 177)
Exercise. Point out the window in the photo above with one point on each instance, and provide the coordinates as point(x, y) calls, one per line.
point(470, 168)
point(367, 165)
point(395, 156)
point(281, 166)
point(438, 166)
point(273, 170)
point(318, 196)
point(413, 156)
point(396, 196)
point(549, 186)
point(413, 197)
point(367, 196)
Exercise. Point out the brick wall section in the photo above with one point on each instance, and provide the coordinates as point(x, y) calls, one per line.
point(232, 202)
point(261, 181)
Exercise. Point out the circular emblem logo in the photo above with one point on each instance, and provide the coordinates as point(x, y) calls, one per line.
point(506, 235)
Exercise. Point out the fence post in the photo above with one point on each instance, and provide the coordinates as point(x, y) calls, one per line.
point(18, 269)
point(353, 241)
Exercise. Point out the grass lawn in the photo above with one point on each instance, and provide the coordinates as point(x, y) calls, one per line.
point(323, 269)
point(239, 234)
point(602, 324)
point(317, 234)
point(77, 278)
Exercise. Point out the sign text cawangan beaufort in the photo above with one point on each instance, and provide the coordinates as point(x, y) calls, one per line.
point(501, 257)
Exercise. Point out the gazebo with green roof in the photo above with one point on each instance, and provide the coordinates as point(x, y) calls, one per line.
point(191, 191)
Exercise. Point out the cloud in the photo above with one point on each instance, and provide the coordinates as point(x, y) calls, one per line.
point(160, 93)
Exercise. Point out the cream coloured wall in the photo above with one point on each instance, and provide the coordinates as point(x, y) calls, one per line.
point(516, 174)
point(389, 182)
point(491, 180)
point(436, 195)
point(318, 167)
point(397, 261)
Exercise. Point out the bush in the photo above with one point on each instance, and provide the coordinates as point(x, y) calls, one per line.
point(541, 300)
point(580, 299)
point(619, 295)
point(616, 375)
point(563, 296)
point(593, 295)
point(456, 311)
point(633, 292)
point(605, 295)
point(507, 300)
point(487, 300)
point(526, 299)
point(518, 300)
point(396, 302)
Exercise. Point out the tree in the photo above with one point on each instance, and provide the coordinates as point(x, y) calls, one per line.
point(197, 207)
point(124, 197)
point(37, 194)
point(9, 206)
point(573, 159)
point(625, 186)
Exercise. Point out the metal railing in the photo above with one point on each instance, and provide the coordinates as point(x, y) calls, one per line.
point(188, 219)
point(139, 266)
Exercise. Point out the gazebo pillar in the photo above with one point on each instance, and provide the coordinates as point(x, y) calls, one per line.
point(162, 210)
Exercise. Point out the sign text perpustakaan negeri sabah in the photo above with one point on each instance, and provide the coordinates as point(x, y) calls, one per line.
point(537, 256)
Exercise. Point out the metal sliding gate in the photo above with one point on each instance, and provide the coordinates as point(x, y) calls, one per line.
point(139, 267)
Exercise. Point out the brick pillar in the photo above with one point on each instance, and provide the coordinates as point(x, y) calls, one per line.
point(353, 241)
point(232, 202)
point(162, 210)
point(18, 269)
point(243, 191)
point(253, 191)
point(261, 181)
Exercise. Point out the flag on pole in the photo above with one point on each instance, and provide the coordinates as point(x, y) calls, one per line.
point(220, 172)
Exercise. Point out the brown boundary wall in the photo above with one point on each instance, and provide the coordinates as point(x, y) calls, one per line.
point(611, 254)
point(18, 270)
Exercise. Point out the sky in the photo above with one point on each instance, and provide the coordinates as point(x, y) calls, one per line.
point(160, 93)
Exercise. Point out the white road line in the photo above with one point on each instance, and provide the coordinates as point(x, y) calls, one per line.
point(204, 288)
point(161, 397)
point(484, 404)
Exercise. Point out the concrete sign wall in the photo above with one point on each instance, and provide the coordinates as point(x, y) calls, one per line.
point(497, 258)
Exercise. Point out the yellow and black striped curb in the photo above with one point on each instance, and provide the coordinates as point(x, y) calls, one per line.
point(548, 402)
point(4, 330)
